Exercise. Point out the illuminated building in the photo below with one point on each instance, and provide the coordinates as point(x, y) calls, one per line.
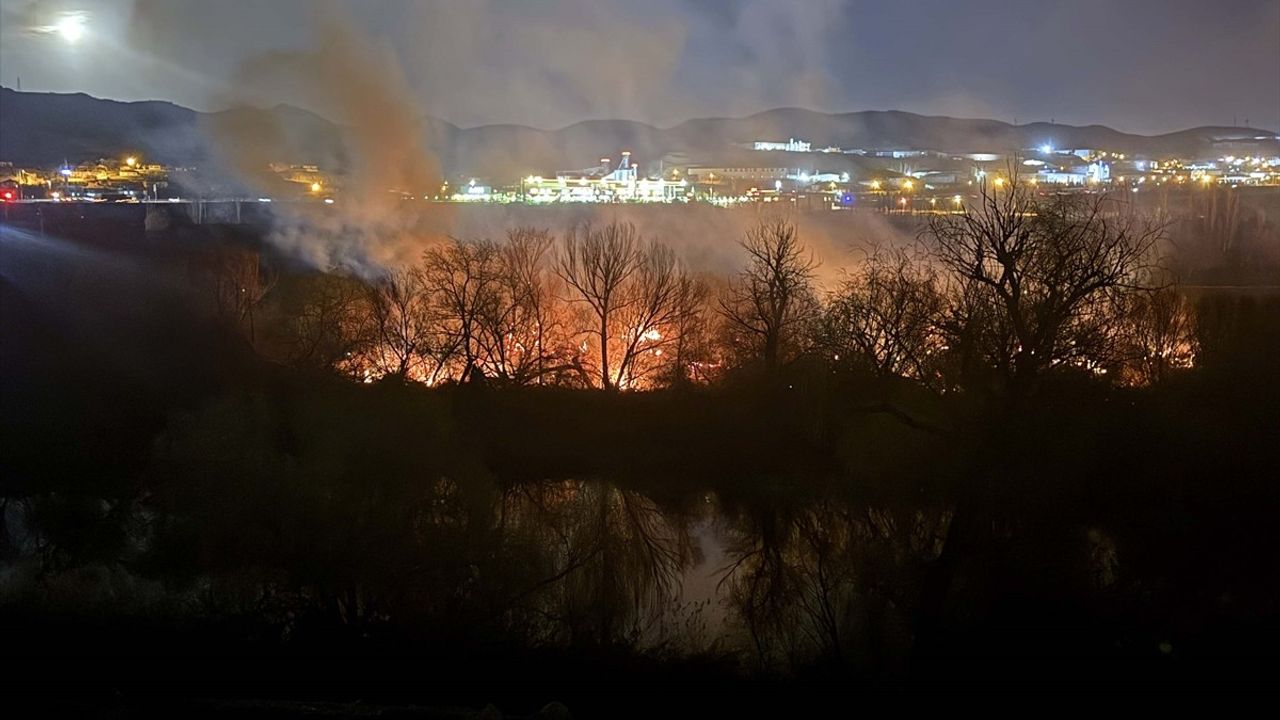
point(474, 191)
point(791, 145)
point(713, 175)
point(1093, 173)
point(603, 184)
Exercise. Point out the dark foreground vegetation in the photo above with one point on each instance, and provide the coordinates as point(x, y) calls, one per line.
point(931, 475)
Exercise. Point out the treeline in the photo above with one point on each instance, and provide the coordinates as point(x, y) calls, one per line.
point(992, 298)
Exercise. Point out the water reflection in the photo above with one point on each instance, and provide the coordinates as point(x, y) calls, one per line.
point(611, 560)
point(780, 589)
point(582, 564)
point(828, 584)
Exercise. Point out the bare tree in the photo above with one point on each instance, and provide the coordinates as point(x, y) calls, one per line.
point(884, 317)
point(597, 264)
point(407, 343)
point(520, 334)
point(1221, 232)
point(661, 297)
point(771, 301)
point(239, 281)
point(1159, 336)
point(329, 329)
point(461, 276)
point(637, 296)
point(1039, 284)
point(691, 350)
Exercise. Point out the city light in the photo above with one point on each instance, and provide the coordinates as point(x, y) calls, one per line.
point(1081, 169)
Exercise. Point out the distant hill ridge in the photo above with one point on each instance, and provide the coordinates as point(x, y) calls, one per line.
point(45, 128)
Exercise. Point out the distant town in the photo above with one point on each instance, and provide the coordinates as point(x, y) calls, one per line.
point(791, 170)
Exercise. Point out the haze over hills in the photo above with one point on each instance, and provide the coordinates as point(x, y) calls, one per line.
point(46, 128)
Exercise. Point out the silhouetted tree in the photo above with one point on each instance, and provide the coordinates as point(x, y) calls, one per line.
point(330, 328)
point(1035, 286)
point(407, 341)
point(461, 277)
point(885, 317)
point(522, 336)
point(662, 299)
point(1038, 285)
point(596, 264)
point(239, 281)
point(636, 293)
point(768, 304)
point(692, 351)
point(1158, 337)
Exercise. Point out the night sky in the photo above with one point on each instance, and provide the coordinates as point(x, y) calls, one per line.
point(1143, 66)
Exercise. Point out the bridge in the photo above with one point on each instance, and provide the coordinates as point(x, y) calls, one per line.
point(55, 217)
